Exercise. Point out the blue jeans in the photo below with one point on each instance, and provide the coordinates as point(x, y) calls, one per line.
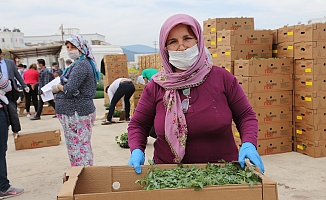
point(4, 182)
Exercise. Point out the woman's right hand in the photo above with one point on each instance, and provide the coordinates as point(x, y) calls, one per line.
point(137, 158)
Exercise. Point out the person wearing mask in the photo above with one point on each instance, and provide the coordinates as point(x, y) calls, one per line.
point(75, 108)
point(44, 78)
point(68, 63)
point(31, 77)
point(9, 70)
point(191, 105)
point(6, 190)
point(120, 88)
point(55, 68)
point(148, 73)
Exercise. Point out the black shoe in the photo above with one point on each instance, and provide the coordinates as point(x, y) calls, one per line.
point(106, 123)
point(54, 116)
point(35, 118)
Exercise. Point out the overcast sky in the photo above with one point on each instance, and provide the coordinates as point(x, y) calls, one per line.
point(127, 22)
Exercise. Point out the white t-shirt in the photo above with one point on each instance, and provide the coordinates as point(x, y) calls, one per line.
point(113, 88)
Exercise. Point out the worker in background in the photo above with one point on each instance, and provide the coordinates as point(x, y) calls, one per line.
point(148, 73)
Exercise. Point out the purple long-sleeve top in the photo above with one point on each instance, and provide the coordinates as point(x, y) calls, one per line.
point(213, 105)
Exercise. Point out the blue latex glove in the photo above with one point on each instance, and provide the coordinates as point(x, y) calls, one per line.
point(137, 158)
point(248, 150)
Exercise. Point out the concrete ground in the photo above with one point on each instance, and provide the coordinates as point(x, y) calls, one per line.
point(39, 171)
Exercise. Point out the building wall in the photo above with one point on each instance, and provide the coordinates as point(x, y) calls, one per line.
point(10, 40)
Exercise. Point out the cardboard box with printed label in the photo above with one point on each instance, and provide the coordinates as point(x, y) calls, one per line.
point(310, 83)
point(263, 67)
point(210, 40)
point(309, 132)
point(310, 32)
point(115, 58)
point(236, 52)
point(118, 182)
point(310, 50)
point(231, 37)
point(212, 25)
point(275, 145)
point(311, 100)
point(37, 140)
point(274, 114)
point(285, 34)
point(268, 99)
point(265, 83)
point(284, 50)
point(310, 67)
point(312, 117)
point(316, 149)
point(227, 65)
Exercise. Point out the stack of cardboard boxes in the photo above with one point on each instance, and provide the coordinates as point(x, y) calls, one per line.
point(310, 89)
point(149, 61)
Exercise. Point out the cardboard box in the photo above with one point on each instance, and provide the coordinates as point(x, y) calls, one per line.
point(217, 24)
point(231, 37)
point(115, 57)
point(268, 99)
point(309, 132)
point(310, 32)
point(116, 65)
point(312, 117)
point(310, 67)
point(48, 110)
point(309, 50)
point(269, 131)
point(310, 83)
point(284, 50)
point(311, 100)
point(37, 140)
point(227, 65)
point(274, 146)
point(274, 114)
point(118, 182)
point(116, 71)
point(316, 149)
point(285, 34)
point(210, 40)
point(236, 52)
point(265, 83)
point(263, 67)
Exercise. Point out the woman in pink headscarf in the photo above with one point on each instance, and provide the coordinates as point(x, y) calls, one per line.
point(191, 105)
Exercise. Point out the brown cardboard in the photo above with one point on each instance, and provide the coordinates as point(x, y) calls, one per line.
point(265, 83)
point(310, 32)
point(227, 65)
point(316, 149)
point(236, 52)
point(116, 65)
point(211, 25)
point(310, 83)
point(310, 50)
point(210, 40)
point(310, 67)
point(263, 67)
point(310, 116)
point(48, 110)
point(275, 145)
point(309, 132)
point(284, 50)
point(268, 99)
point(231, 37)
point(273, 114)
point(115, 57)
point(311, 100)
point(285, 34)
point(37, 140)
point(118, 182)
point(275, 36)
point(270, 131)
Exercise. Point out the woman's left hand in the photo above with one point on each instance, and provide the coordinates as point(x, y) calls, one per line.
point(56, 88)
point(248, 150)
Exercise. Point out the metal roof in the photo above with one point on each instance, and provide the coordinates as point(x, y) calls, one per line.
point(35, 51)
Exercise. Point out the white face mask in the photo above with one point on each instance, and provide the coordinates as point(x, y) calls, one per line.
point(73, 54)
point(183, 60)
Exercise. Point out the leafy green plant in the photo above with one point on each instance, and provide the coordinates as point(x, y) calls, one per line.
point(192, 176)
point(117, 113)
point(122, 141)
point(99, 95)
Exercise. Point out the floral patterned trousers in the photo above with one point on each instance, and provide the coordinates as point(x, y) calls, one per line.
point(77, 132)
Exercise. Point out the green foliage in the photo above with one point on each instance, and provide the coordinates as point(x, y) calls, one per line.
point(117, 113)
point(192, 176)
point(99, 87)
point(106, 105)
point(122, 141)
point(99, 94)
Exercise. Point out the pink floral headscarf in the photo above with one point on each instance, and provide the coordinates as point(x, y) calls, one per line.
point(175, 122)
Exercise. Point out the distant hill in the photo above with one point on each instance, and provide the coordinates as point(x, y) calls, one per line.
point(131, 50)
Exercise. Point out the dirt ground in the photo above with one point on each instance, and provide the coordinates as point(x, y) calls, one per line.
point(40, 171)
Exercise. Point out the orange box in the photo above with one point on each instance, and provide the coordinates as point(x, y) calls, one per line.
point(310, 67)
point(316, 149)
point(311, 100)
point(115, 58)
point(231, 37)
point(309, 132)
point(275, 145)
point(265, 83)
point(227, 65)
point(309, 83)
point(310, 32)
point(268, 99)
point(310, 50)
point(312, 117)
point(284, 50)
point(274, 114)
point(236, 52)
point(263, 67)
point(285, 34)
point(211, 25)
